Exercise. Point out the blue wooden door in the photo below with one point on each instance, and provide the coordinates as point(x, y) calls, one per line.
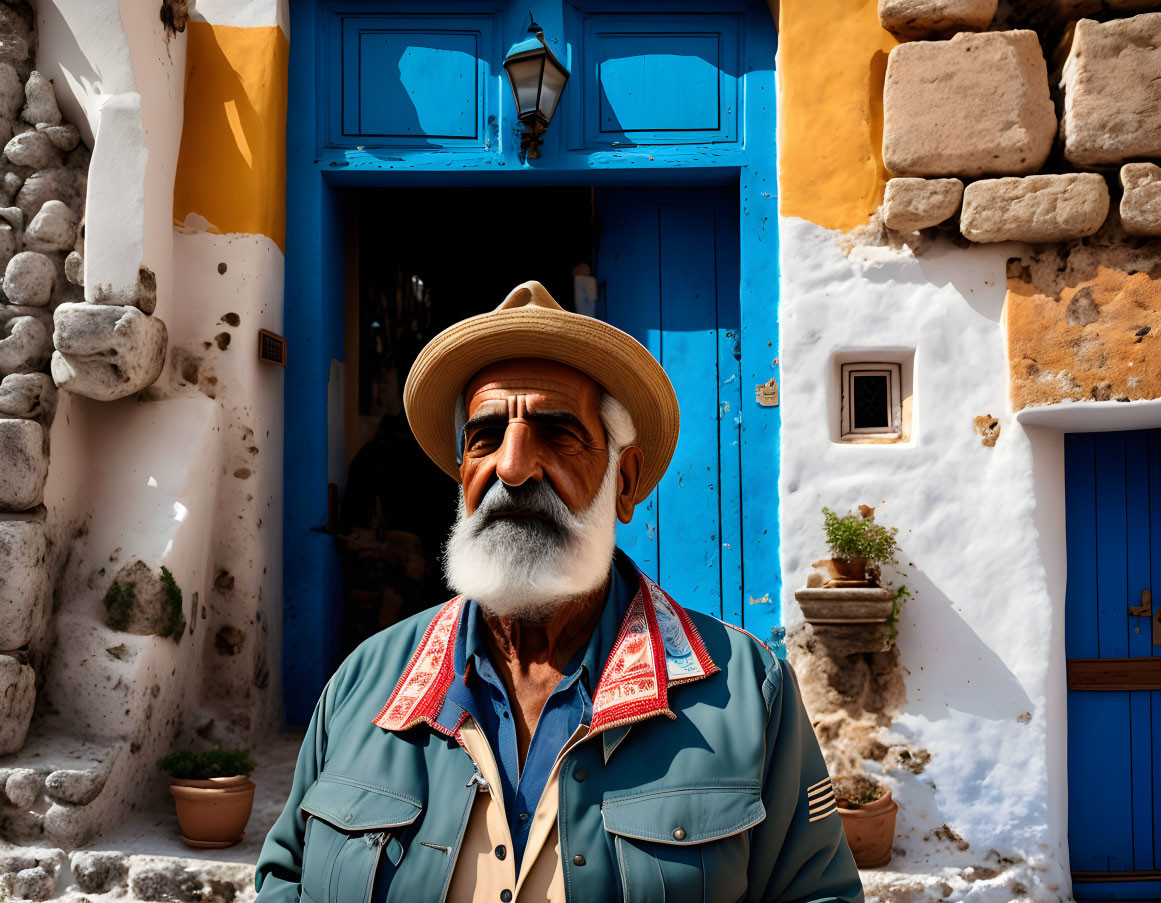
point(668, 266)
point(1113, 644)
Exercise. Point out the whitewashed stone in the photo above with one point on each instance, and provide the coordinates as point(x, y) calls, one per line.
point(106, 351)
point(11, 93)
point(74, 268)
point(1112, 91)
point(911, 204)
point(22, 449)
point(17, 697)
point(76, 786)
point(98, 873)
point(916, 18)
point(16, 38)
point(1141, 200)
point(13, 217)
point(28, 279)
point(25, 341)
point(975, 105)
point(23, 786)
point(1034, 208)
point(33, 149)
point(31, 396)
point(64, 137)
point(52, 229)
point(33, 884)
point(59, 183)
point(40, 101)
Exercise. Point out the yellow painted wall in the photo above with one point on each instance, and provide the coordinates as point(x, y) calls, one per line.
point(232, 166)
point(832, 59)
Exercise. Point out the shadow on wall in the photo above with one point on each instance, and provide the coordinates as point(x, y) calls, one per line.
point(955, 671)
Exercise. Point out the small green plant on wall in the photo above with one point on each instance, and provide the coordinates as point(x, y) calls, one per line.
point(855, 535)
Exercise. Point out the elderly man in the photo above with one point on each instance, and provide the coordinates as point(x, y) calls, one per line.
point(562, 729)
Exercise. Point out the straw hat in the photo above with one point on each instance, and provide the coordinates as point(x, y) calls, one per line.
point(529, 323)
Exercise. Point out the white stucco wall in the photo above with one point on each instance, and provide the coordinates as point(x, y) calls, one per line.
point(981, 530)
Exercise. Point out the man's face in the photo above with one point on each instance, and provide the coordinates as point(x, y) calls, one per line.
point(533, 420)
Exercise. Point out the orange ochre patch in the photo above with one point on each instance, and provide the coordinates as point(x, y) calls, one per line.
point(1094, 340)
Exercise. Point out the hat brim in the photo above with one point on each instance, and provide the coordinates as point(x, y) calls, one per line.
point(614, 359)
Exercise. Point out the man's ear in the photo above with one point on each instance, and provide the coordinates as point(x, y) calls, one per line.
point(628, 475)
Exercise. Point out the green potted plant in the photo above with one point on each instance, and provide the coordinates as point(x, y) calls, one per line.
point(858, 546)
point(213, 794)
point(868, 816)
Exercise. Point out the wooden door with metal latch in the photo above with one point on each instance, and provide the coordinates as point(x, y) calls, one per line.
point(1113, 644)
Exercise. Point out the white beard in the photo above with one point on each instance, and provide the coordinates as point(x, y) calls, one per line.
point(525, 568)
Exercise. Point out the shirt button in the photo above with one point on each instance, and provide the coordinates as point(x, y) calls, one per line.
point(505, 896)
point(578, 859)
point(580, 774)
point(501, 851)
point(524, 816)
point(679, 833)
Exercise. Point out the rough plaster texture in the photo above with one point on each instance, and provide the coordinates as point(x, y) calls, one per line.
point(976, 652)
point(22, 580)
point(25, 455)
point(917, 18)
point(1046, 208)
point(910, 204)
point(1141, 200)
point(1112, 91)
point(17, 697)
point(975, 105)
point(1083, 323)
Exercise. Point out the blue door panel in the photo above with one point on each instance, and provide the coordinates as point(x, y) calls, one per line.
point(1113, 511)
point(659, 265)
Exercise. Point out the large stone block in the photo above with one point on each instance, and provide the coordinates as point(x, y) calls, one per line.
point(23, 467)
point(1112, 91)
point(17, 697)
point(23, 580)
point(106, 351)
point(911, 204)
point(1141, 200)
point(1034, 208)
point(25, 340)
point(916, 18)
point(975, 105)
point(28, 279)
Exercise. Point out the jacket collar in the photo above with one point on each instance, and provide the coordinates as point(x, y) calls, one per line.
point(656, 648)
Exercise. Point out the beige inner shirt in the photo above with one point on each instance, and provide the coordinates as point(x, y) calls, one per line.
point(479, 874)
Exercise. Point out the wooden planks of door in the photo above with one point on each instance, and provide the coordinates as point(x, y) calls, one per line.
point(1113, 523)
point(667, 265)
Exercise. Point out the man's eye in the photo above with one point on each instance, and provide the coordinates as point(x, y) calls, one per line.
point(486, 437)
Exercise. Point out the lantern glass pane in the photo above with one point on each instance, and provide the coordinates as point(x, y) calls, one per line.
point(554, 79)
point(525, 78)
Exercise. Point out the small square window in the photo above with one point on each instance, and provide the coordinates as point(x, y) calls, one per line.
point(871, 401)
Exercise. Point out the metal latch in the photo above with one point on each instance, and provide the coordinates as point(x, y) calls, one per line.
point(767, 394)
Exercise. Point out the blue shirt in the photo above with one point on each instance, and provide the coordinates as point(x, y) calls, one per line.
point(570, 705)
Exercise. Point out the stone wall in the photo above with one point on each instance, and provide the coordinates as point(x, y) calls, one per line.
point(1042, 134)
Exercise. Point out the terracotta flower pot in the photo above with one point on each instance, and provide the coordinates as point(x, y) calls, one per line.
point(212, 813)
point(849, 568)
point(870, 831)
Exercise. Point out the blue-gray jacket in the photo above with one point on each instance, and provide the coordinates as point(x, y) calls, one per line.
point(700, 777)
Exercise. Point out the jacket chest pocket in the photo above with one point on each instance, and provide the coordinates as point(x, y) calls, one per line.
point(684, 844)
point(350, 829)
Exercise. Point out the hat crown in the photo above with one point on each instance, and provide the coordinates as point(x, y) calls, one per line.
point(529, 294)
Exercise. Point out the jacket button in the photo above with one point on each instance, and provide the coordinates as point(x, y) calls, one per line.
point(580, 774)
point(578, 859)
point(679, 833)
point(505, 896)
point(501, 851)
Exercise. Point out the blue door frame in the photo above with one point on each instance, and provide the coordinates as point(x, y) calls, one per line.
point(1113, 524)
point(732, 40)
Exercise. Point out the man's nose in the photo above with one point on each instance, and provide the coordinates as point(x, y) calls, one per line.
point(518, 459)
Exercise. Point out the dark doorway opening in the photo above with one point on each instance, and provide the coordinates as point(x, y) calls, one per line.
point(418, 261)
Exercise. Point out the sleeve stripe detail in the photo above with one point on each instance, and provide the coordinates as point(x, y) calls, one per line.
point(819, 805)
point(821, 791)
point(825, 780)
point(831, 811)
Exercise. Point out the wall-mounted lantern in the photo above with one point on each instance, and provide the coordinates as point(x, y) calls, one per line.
point(537, 80)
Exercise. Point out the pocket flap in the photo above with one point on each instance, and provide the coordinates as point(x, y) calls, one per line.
point(684, 815)
point(351, 805)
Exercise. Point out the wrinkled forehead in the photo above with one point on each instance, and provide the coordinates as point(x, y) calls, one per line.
point(542, 383)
